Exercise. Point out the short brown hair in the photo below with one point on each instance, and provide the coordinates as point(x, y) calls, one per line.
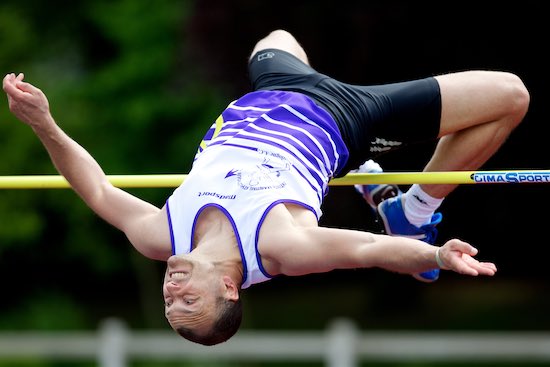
point(226, 325)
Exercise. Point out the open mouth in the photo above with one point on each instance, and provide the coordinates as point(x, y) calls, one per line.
point(178, 274)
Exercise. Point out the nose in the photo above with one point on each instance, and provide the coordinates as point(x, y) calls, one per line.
point(172, 286)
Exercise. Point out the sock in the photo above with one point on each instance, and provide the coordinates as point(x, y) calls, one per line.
point(419, 206)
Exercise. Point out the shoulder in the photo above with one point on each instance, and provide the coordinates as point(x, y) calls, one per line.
point(285, 217)
point(280, 233)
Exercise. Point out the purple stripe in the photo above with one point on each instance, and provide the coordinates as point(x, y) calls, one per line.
point(314, 174)
point(315, 160)
point(233, 115)
point(272, 100)
point(310, 185)
point(209, 134)
point(234, 125)
point(240, 146)
point(306, 153)
point(172, 240)
point(283, 115)
point(302, 143)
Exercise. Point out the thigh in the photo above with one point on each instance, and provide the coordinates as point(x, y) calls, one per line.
point(471, 98)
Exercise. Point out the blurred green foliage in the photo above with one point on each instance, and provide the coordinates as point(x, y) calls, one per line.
point(118, 80)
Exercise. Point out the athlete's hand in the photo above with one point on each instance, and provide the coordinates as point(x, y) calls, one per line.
point(458, 256)
point(25, 101)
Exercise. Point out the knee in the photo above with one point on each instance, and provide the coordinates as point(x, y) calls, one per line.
point(517, 97)
point(279, 37)
point(282, 40)
point(281, 34)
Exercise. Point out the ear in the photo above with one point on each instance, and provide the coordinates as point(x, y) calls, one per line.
point(231, 289)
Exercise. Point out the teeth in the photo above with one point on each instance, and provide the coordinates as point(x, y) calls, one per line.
point(178, 275)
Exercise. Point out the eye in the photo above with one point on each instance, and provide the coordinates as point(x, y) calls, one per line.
point(189, 301)
point(168, 303)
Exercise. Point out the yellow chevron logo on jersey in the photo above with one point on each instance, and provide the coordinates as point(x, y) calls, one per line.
point(218, 127)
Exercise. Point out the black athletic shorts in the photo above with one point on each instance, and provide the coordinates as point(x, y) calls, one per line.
point(372, 119)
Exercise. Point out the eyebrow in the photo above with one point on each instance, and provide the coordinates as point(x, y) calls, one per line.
point(183, 310)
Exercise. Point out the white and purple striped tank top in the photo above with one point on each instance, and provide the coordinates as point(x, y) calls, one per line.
point(266, 148)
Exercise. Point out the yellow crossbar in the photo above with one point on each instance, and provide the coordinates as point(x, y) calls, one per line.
point(398, 178)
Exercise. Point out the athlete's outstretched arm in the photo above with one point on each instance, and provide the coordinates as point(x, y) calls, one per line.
point(142, 222)
point(297, 249)
point(319, 249)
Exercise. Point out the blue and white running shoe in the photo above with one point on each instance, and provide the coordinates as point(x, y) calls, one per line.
point(396, 224)
point(375, 194)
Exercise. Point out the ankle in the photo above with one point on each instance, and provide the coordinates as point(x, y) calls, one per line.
point(418, 206)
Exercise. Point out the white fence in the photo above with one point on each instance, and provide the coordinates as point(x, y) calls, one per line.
point(341, 345)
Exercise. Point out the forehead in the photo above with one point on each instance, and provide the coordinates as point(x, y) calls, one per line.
point(196, 319)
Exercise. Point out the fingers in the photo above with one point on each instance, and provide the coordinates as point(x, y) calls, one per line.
point(490, 266)
point(15, 87)
point(9, 83)
point(25, 101)
point(25, 87)
point(463, 267)
point(460, 256)
point(12, 78)
point(17, 77)
point(473, 262)
point(484, 268)
point(465, 264)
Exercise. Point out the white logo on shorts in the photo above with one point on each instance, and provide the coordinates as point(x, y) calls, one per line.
point(266, 55)
point(383, 145)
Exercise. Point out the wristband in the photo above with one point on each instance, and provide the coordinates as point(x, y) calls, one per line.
point(438, 260)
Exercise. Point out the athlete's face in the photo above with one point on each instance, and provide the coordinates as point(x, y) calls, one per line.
point(191, 288)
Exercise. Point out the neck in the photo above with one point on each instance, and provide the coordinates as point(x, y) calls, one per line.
point(215, 241)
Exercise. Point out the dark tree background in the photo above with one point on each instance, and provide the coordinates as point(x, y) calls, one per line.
point(138, 82)
point(369, 42)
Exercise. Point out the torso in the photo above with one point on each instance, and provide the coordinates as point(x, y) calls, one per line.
point(264, 162)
